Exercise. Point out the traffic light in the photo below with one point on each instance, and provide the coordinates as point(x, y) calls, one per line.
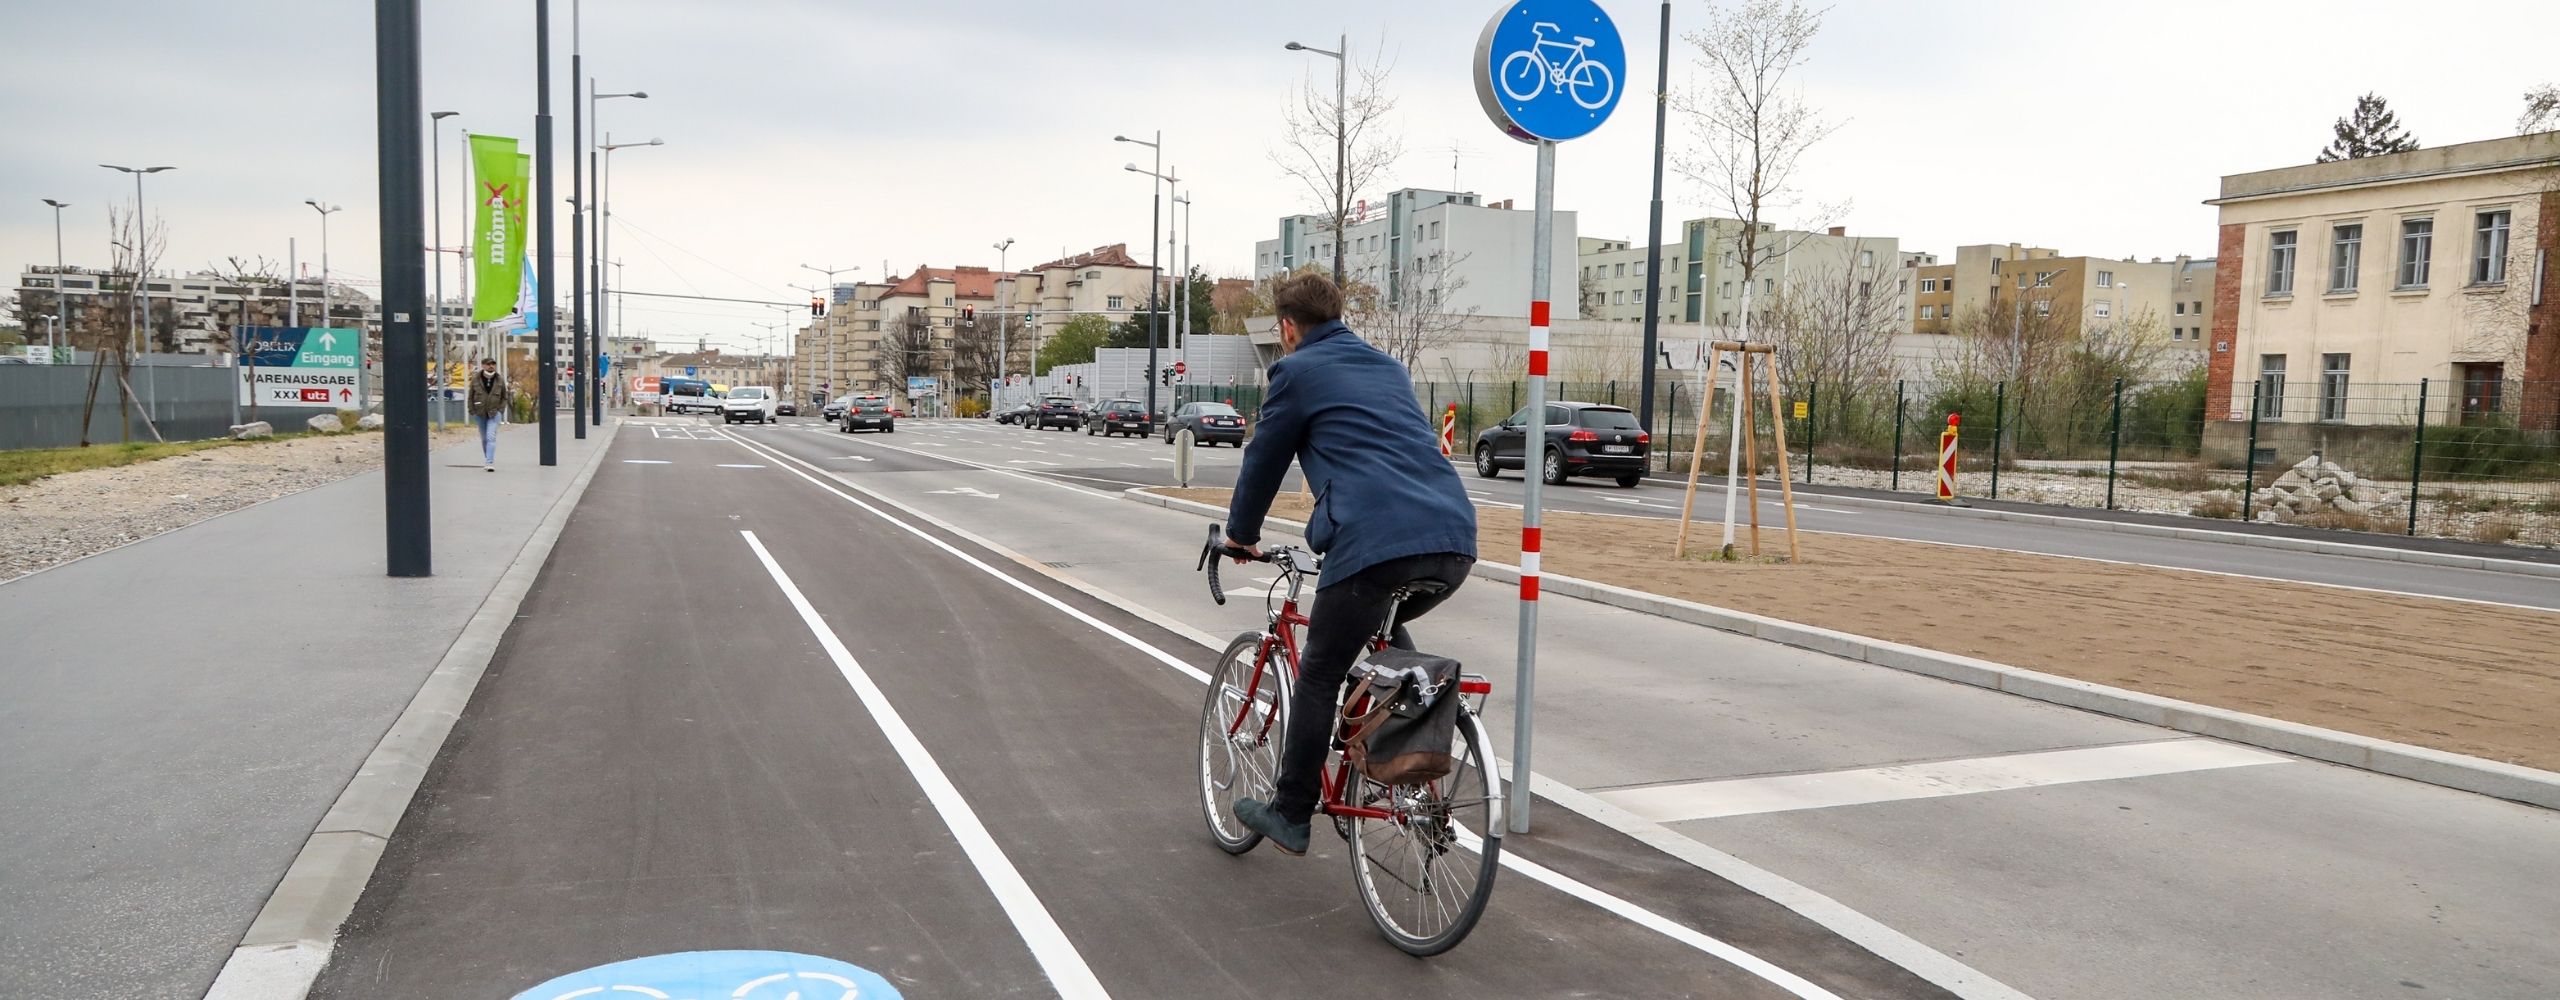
point(817, 307)
point(969, 313)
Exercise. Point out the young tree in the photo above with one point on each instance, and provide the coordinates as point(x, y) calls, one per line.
point(1420, 317)
point(1335, 148)
point(1750, 129)
point(1834, 326)
point(2371, 131)
point(1073, 344)
point(907, 350)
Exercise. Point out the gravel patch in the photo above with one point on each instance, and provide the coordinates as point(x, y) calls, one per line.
point(61, 518)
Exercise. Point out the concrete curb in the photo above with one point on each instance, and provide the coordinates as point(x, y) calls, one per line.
point(2435, 767)
point(288, 943)
point(2311, 545)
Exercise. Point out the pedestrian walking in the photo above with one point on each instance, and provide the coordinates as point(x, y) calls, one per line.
point(488, 403)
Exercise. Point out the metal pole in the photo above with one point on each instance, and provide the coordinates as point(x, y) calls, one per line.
point(1542, 234)
point(61, 304)
point(584, 366)
point(1897, 434)
point(2417, 457)
point(2249, 463)
point(595, 261)
point(1653, 231)
point(546, 339)
point(292, 284)
point(2115, 443)
point(1341, 153)
point(1999, 426)
point(142, 288)
point(407, 542)
point(1812, 407)
point(1155, 272)
point(435, 188)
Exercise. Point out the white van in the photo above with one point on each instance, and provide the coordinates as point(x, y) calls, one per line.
point(749, 402)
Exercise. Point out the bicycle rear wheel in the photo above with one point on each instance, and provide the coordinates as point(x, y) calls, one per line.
point(1426, 872)
point(1241, 724)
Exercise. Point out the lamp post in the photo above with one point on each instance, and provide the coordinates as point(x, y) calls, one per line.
point(435, 123)
point(604, 214)
point(1155, 266)
point(830, 381)
point(325, 300)
point(581, 268)
point(61, 332)
point(141, 275)
point(1341, 142)
point(1004, 319)
point(1184, 328)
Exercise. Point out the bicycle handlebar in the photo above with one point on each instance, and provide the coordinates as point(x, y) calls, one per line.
point(1216, 550)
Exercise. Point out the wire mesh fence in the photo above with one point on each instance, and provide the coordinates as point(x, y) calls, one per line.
point(2473, 458)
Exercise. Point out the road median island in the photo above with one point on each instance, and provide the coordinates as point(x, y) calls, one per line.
point(2463, 678)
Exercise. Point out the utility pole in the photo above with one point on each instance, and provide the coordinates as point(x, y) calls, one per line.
point(60, 335)
point(407, 542)
point(1004, 307)
point(1341, 54)
point(547, 339)
point(1653, 238)
point(435, 184)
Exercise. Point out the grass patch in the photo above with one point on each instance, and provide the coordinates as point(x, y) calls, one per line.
point(2218, 505)
point(29, 465)
point(2193, 479)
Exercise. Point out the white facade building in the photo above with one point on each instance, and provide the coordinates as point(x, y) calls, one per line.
point(1435, 246)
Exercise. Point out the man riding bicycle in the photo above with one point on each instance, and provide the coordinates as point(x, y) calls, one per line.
point(1389, 513)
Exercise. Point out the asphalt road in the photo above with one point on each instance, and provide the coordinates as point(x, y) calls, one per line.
point(741, 711)
point(1118, 463)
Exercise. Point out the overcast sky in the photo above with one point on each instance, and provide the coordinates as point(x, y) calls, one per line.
point(849, 132)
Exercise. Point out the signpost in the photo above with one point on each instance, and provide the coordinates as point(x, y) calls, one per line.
point(298, 366)
point(1546, 71)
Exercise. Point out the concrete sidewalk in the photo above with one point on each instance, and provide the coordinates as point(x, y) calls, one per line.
point(176, 715)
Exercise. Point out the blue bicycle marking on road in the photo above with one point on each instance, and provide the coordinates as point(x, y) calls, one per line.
point(1551, 69)
point(719, 975)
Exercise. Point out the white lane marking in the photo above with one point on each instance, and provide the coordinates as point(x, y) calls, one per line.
point(726, 465)
point(1032, 461)
point(1643, 917)
point(1045, 478)
point(1058, 957)
point(1166, 461)
point(1933, 779)
point(850, 458)
point(646, 461)
point(967, 491)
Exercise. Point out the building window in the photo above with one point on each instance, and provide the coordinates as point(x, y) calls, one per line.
point(2022, 279)
point(1928, 312)
point(2179, 308)
point(1728, 289)
point(1435, 230)
point(2197, 308)
point(1618, 298)
point(1768, 286)
point(2044, 307)
point(2044, 279)
point(2101, 308)
point(2280, 250)
point(1901, 286)
point(2106, 279)
point(2489, 248)
point(2346, 246)
point(2417, 250)
point(2333, 386)
point(2271, 386)
point(1866, 258)
point(1639, 269)
point(1112, 303)
point(1622, 271)
point(2177, 333)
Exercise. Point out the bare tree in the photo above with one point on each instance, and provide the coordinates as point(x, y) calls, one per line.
point(1835, 324)
point(2500, 312)
point(1320, 130)
point(1419, 317)
point(907, 350)
point(2541, 110)
point(1750, 129)
point(1588, 289)
point(256, 306)
point(973, 352)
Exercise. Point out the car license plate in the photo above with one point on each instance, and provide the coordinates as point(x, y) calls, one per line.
point(1615, 449)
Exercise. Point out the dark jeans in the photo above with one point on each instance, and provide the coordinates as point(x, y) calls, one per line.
point(1346, 615)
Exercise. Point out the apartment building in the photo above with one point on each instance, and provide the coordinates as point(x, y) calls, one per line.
point(1427, 249)
point(193, 313)
point(1104, 281)
point(2080, 295)
point(1701, 276)
point(2432, 264)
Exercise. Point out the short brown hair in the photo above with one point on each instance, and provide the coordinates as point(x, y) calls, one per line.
point(1307, 299)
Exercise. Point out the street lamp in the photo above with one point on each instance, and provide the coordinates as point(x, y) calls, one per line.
point(1182, 328)
point(61, 332)
point(1155, 266)
point(435, 125)
point(581, 267)
point(1341, 142)
point(604, 215)
point(141, 247)
point(325, 318)
point(1004, 305)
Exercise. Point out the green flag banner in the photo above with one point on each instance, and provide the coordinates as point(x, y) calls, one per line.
point(497, 228)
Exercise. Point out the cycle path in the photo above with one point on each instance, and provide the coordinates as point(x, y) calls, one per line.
point(665, 757)
point(2275, 879)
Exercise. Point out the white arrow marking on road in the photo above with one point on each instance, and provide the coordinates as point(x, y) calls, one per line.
point(968, 491)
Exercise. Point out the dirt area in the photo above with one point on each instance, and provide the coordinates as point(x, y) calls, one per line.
point(2466, 678)
point(63, 517)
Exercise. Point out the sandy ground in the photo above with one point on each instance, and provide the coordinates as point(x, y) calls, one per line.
point(60, 518)
point(2466, 678)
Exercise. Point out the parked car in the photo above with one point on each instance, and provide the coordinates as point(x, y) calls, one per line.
point(834, 410)
point(786, 408)
point(1581, 439)
point(1058, 411)
point(1209, 424)
point(748, 402)
point(1016, 414)
point(869, 412)
point(1119, 416)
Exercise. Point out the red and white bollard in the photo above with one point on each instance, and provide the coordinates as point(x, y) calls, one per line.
point(1449, 431)
point(1947, 459)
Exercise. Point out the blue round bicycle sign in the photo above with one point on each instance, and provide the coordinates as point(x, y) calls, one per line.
point(1550, 70)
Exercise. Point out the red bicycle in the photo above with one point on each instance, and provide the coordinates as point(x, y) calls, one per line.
point(1422, 855)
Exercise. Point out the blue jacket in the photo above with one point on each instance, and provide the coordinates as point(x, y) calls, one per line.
point(1345, 411)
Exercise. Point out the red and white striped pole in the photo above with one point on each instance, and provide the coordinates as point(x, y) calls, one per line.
point(1541, 240)
point(1947, 459)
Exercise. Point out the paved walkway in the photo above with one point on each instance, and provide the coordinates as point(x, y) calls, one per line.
point(176, 715)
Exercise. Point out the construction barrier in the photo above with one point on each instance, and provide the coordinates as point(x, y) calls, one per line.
point(1947, 459)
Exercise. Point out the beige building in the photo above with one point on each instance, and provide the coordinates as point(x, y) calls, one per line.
point(1701, 276)
point(1104, 281)
point(2082, 295)
point(2360, 277)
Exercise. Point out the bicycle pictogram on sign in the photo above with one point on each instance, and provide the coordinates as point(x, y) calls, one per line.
point(1549, 70)
point(1572, 73)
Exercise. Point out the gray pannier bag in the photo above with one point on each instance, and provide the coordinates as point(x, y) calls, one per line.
point(1411, 717)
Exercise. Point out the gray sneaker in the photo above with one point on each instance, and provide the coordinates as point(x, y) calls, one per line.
point(1258, 816)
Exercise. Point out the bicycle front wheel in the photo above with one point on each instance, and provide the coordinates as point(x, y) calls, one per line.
point(1241, 724)
point(1426, 870)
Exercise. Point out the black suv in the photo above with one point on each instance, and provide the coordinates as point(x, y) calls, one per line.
point(1120, 416)
point(1582, 439)
point(1056, 411)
